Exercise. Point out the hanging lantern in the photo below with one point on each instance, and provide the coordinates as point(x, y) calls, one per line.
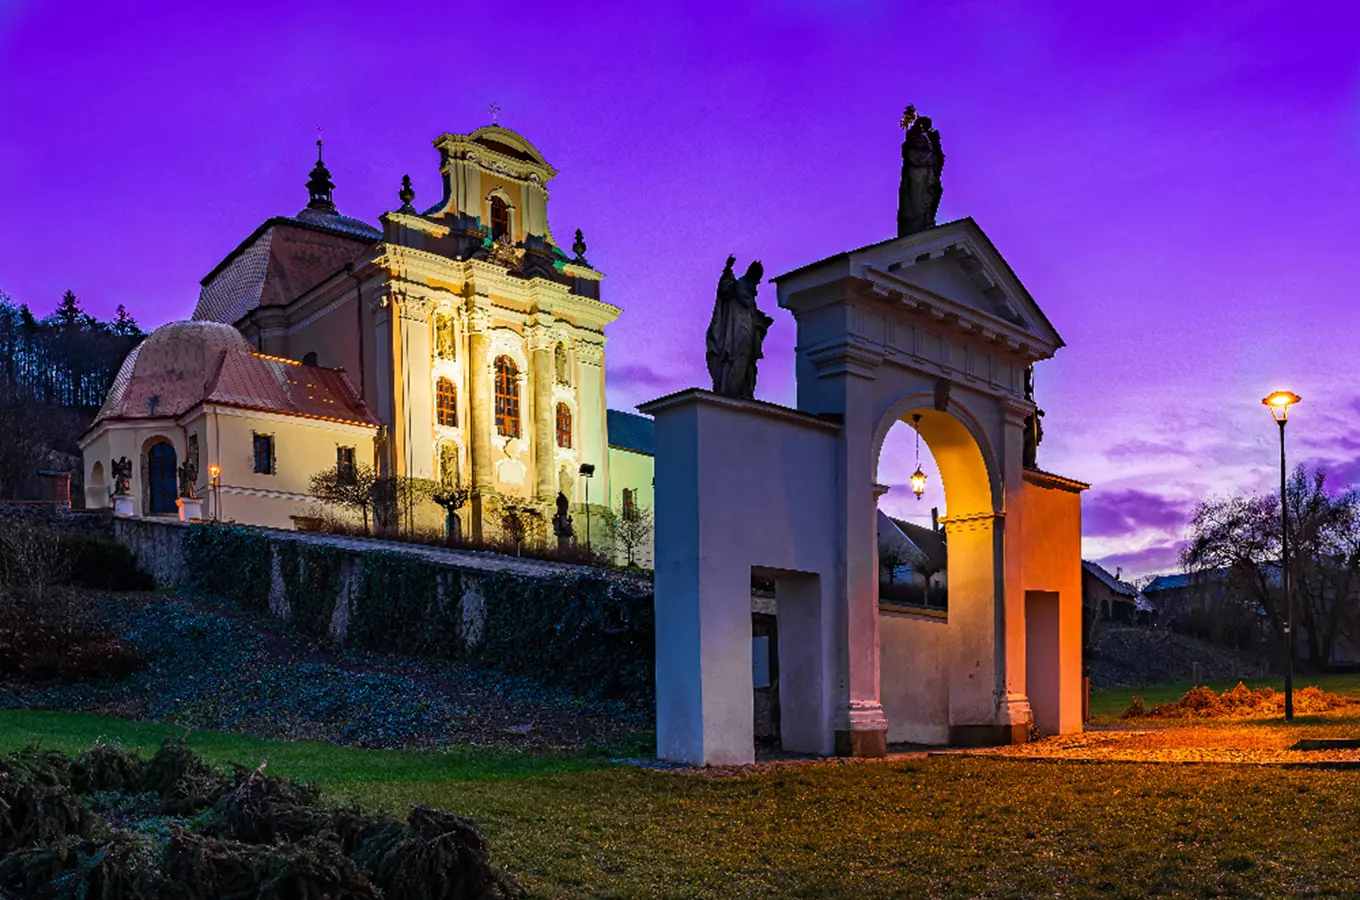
point(918, 478)
point(918, 482)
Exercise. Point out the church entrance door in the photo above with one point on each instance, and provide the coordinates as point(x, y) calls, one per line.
point(161, 478)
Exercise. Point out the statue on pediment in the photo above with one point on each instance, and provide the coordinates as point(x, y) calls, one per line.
point(918, 197)
point(736, 332)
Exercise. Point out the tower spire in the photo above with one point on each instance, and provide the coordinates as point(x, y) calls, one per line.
point(320, 186)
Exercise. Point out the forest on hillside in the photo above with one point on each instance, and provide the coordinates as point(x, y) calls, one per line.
point(54, 372)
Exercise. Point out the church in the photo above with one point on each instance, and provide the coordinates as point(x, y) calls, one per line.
point(460, 345)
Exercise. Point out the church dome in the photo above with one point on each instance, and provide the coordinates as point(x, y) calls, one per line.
point(170, 372)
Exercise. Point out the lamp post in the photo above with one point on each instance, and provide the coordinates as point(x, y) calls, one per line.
point(1278, 403)
point(587, 472)
point(215, 472)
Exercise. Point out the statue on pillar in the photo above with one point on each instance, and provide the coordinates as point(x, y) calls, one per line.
point(1034, 436)
point(736, 332)
point(121, 469)
point(562, 523)
point(188, 477)
point(918, 197)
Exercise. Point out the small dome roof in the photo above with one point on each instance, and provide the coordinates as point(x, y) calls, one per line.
point(171, 371)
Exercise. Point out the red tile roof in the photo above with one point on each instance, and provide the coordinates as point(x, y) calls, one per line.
point(271, 384)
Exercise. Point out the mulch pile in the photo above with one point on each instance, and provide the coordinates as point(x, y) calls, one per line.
point(1241, 701)
point(109, 824)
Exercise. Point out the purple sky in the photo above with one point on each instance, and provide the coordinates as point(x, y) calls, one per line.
point(1177, 184)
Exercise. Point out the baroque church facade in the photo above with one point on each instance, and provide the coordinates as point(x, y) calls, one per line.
point(472, 339)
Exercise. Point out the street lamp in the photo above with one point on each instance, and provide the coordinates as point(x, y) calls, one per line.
point(214, 472)
point(1278, 403)
point(587, 472)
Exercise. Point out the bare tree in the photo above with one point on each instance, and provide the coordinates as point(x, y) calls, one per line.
point(629, 532)
point(351, 491)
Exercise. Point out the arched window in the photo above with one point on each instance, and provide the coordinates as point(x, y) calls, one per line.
point(507, 397)
point(446, 403)
point(563, 426)
point(500, 218)
point(563, 365)
point(309, 358)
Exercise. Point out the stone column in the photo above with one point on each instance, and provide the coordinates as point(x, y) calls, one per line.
point(479, 402)
point(1014, 709)
point(845, 375)
point(861, 728)
point(545, 414)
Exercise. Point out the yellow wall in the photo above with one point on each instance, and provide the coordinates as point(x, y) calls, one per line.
point(1052, 565)
point(302, 447)
point(633, 471)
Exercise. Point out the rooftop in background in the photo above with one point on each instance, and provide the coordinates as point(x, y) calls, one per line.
point(630, 431)
point(929, 541)
point(183, 365)
point(1116, 585)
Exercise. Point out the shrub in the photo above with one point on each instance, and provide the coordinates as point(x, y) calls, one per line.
point(586, 632)
point(267, 838)
point(99, 562)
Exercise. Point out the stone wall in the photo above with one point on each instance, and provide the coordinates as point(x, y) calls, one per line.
point(586, 628)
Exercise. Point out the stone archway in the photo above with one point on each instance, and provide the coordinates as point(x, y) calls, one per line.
point(935, 323)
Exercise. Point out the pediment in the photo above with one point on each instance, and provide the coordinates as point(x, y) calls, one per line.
point(951, 274)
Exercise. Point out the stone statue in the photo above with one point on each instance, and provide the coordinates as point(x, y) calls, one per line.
point(188, 477)
point(121, 469)
point(918, 198)
point(736, 332)
point(562, 523)
point(1034, 436)
point(1029, 383)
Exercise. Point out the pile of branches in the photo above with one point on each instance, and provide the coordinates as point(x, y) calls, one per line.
point(1201, 702)
point(110, 824)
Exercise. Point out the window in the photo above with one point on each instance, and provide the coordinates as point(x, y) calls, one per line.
point(563, 426)
point(630, 504)
point(309, 358)
point(162, 478)
point(264, 454)
point(507, 397)
point(500, 218)
point(344, 464)
point(446, 403)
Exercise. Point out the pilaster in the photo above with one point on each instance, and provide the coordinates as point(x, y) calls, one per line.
point(544, 423)
point(479, 400)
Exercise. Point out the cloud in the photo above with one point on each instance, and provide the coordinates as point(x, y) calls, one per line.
point(1156, 558)
point(1140, 447)
point(1121, 513)
point(639, 375)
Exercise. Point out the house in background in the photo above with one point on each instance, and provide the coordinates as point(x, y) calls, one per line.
point(913, 562)
point(1108, 598)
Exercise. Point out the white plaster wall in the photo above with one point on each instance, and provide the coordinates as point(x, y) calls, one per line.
point(914, 650)
point(755, 476)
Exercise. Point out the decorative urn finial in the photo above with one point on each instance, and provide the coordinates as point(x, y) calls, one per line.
point(578, 247)
point(407, 194)
point(320, 186)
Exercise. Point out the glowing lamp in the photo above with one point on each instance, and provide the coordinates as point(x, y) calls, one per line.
point(918, 482)
point(213, 472)
point(1279, 403)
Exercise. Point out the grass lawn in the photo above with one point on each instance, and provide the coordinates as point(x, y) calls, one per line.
point(1106, 706)
point(936, 827)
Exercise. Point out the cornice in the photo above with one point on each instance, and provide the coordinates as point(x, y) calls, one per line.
point(972, 521)
point(848, 355)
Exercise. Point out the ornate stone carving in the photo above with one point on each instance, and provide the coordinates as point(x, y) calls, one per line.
point(188, 476)
point(736, 332)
